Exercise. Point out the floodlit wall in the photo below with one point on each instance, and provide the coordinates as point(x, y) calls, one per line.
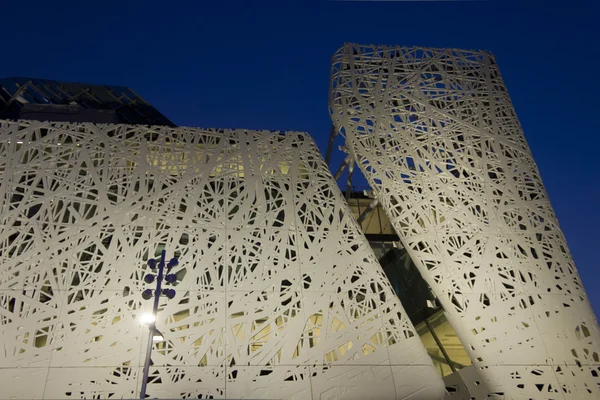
point(436, 135)
point(280, 296)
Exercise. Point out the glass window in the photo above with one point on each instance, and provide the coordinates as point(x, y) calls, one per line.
point(445, 349)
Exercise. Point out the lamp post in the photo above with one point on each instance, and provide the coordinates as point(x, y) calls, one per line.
point(154, 334)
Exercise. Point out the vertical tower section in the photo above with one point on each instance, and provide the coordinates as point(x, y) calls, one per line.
point(437, 137)
point(280, 295)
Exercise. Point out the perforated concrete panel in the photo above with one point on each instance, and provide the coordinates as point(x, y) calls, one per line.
point(436, 135)
point(280, 296)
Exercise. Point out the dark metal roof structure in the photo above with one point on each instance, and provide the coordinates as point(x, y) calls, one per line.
point(48, 100)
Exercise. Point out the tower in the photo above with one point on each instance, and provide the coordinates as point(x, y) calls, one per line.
point(436, 135)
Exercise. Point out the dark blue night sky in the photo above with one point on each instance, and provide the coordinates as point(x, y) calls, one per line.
point(265, 65)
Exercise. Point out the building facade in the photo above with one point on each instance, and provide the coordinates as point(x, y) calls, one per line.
point(436, 136)
point(279, 296)
point(452, 264)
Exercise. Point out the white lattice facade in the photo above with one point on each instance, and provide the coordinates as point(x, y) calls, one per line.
point(281, 296)
point(436, 135)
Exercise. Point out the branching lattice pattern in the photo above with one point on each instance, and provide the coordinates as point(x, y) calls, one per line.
point(436, 135)
point(281, 295)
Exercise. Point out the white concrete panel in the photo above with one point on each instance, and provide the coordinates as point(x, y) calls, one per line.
point(281, 296)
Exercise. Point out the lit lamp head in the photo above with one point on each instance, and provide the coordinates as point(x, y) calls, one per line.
point(147, 319)
point(157, 336)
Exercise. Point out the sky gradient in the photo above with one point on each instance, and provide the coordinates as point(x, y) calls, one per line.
point(265, 65)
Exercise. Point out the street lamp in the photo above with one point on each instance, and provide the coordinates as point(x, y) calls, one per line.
point(154, 335)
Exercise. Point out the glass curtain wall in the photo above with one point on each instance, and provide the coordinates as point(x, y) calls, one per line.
point(438, 336)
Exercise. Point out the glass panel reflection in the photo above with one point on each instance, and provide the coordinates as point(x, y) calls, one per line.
point(439, 338)
point(445, 349)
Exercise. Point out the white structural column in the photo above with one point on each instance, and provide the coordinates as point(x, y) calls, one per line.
point(436, 135)
point(280, 297)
